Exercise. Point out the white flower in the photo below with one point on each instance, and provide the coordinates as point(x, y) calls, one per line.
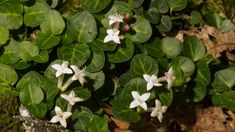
point(23, 111)
point(170, 78)
point(62, 69)
point(158, 110)
point(60, 116)
point(112, 36)
point(78, 74)
point(115, 18)
point(151, 81)
point(71, 98)
point(139, 100)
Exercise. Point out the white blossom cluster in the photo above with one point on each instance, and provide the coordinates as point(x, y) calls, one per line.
point(152, 80)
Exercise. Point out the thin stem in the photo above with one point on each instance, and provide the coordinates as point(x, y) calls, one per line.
point(69, 107)
point(67, 84)
point(60, 81)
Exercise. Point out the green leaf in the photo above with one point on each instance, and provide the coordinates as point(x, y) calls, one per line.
point(4, 33)
point(97, 60)
point(53, 23)
point(45, 41)
point(165, 25)
point(82, 27)
point(225, 100)
point(76, 54)
point(194, 48)
point(95, 80)
point(38, 110)
point(185, 64)
point(50, 72)
point(224, 80)
point(213, 19)
point(95, 6)
point(166, 96)
point(135, 3)
point(43, 57)
point(120, 8)
point(10, 54)
point(34, 15)
point(226, 26)
point(28, 50)
point(143, 64)
point(83, 93)
point(122, 53)
point(171, 46)
point(81, 119)
point(203, 72)
point(154, 48)
point(177, 5)
point(98, 124)
point(161, 5)
point(199, 91)
point(8, 74)
point(142, 28)
point(153, 15)
point(195, 17)
point(20, 65)
point(11, 14)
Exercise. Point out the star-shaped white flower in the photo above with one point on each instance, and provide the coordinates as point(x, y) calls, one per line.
point(139, 100)
point(112, 36)
point(115, 18)
point(170, 78)
point(61, 116)
point(158, 110)
point(62, 69)
point(151, 81)
point(79, 74)
point(71, 98)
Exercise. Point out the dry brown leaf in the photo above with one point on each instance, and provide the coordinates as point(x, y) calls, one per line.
point(223, 41)
point(121, 124)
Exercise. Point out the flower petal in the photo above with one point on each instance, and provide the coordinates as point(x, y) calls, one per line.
point(133, 104)
point(160, 117)
point(55, 119)
point(146, 77)
point(135, 94)
point(66, 97)
point(58, 109)
point(145, 96)
point(157, 103)
point(63, 123)
point(143, 105)
point(154, 113)
point(149, 86)
point(66, 115)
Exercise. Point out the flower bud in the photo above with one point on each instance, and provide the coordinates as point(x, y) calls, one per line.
point(127, 17)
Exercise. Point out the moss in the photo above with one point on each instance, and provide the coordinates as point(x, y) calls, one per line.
point(9, 108)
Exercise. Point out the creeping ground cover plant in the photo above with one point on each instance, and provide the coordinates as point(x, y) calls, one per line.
point(97, 66)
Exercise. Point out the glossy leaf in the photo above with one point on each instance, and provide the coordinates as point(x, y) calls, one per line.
point(10, 54)
point(203, 72)
point(28, 50)
point(11, 14)
point(224, 80)
point(153, 15)
point(43, 57)
point(199, 90)
point(135, 3)
point(76, 54)
point(172, 47)
point(177, 5)
point(143, 64)
point(142, 28)
point(161, 5)
point(4, 33)
point(83, 93)
point(95, 80)
point(53, 23)
point(95, 6)
point(165, 24)
point(98, 123)
point(44, 41)
point(81, 119)
point(82, 27)
point(194, 48)
point(154, 48)
point(8, 74)
point(97, 60)
point(225, 100)
point(122, 53)
point(195, 17)
point(120, 8)
point(166, 96)
point(37, 110)
point(35, 14)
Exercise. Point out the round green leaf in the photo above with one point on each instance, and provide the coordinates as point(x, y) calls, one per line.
point(166, 96)
point(194, 48)
point(37, 110)
point(28, 50)
point(185, 64)
point(35, 14)
point(83, 93)
point(45, 41)
point(142, 28)
point(53, 23)
point(224, 80)
point(97, 124)
point(228, 100)
point(171, 46)
point(97, 60)
point(195, 17)
point(120, 8)
point(177, 5)
point(153, 15)
point(154, 48)
point(122, 53)
point(11, 14)
point(143, 64)
point(10, 54)
point(135, 3)
point(199, 91)
point(226, 26)
point(76, 54)
point(161, 5)
point(203, 72)
point(4, 33)
point(31, 94)
point(95, 80)
point(95, 6)
point(165, 24)
point(82, 26)
point(20, 65)
point(43, 57)
point(8, 74)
